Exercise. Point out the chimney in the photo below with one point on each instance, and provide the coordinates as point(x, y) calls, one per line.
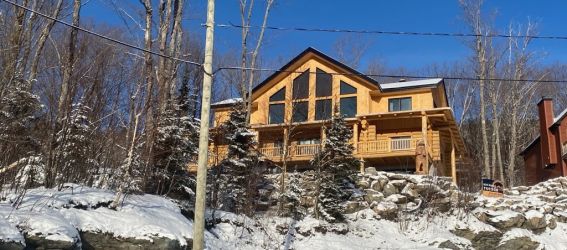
point(547, 139)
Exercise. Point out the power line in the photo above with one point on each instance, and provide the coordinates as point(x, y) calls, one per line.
point(393, 76)
point(383, 32)
point(101, 36)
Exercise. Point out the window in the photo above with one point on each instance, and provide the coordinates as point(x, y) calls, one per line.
point(278, 96)
point(347, 89)
point(301, 86)
point(399, 104)
point(348, 106)
point(300, 110)
point(323, 84)
point(312, 141)
point(276, 113)
point(323, 109)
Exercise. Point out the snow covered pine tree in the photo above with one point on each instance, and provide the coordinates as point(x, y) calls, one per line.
point(240, 169)
point(292, 198)
point(74, 147)
point(176, 145)
point(335, 167)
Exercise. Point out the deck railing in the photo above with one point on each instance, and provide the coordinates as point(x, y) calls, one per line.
point(305, 150)
point(369, 147)
point(564, 150)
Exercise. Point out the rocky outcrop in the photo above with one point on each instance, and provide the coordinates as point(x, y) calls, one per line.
point(93, 240)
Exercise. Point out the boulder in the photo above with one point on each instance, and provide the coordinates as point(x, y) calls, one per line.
point(362, 184)
point(46, 242)
point(399, 184)
point(370, 171)
point(106, 241)
point(11, 245)
point(551, 221)
point(442, 204)
point(376, 185)
point(480, 239)
point(353, 207)
point(378, 197)
point(389, 189)
point(397, 198)
point(386, 210)
point(518, 243)
point(409, 191)
point(505, 219)
point(534, 220)
point(560, 216)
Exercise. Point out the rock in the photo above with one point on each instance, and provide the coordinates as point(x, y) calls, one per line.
point(521, 188)
point(389, 189)
point(376, 185)
point(11, 245)
point(551, 221)
point(480, 239)
point(91, 240)
point(560, 216)
point(397, 198)
point(370, 171)
point(399, 184)
point(427, 190)
point(410, 191)
point(383, 180)
point(44, 242)
point(353, 207)
point(386, 210)
point(505, 220)
point(374, 197)
point(448, 244)
point(534, 220)
point(442, 204)
point(511, 192)
point(396, 176)
point(363, 184)
point(518, 243)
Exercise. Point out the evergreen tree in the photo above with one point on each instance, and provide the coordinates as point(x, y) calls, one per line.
point(176, 145)
point(292, 198)
point(335, 166)
point(18, 111)
point(239, 170)
point(74, 146)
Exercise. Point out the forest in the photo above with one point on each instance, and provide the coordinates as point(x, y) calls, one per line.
point(118, 107)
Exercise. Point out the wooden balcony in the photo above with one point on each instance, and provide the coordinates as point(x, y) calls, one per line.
point(564, 150)
point(380, 148)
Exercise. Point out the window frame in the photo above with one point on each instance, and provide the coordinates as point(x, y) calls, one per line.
point(399, 103)
point(305, 73)
point(295, 112)
point(270, 112)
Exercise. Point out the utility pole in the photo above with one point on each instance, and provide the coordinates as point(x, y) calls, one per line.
point(199, 222)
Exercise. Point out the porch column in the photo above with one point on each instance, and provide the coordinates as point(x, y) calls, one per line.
point(323, 135)
point(355, 137)
point(425, 142)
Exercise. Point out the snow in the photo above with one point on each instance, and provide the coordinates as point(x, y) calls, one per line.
point(410, 84)
point(9, 233)
point(59, 215)
point(560, 116)
point(227, 101)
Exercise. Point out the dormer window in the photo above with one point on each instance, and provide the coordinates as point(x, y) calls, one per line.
point(399, 104)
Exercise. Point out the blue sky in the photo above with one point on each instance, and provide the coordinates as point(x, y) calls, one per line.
point(411, 52)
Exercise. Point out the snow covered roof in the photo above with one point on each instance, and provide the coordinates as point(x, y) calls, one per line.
point(227, 102)
point(560, 117)
point(556, 121)
point(410, 84)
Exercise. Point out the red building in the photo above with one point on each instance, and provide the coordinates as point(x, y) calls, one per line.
point(546, 156)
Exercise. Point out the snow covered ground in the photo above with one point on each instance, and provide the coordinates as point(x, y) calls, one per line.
point(64, 216)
